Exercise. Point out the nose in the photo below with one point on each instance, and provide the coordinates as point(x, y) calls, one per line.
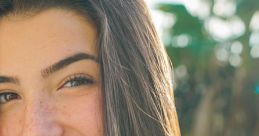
point(39, 120)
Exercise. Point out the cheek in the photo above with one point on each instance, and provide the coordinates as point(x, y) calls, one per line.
point(11, 124)
point(84, 114)
point(78, 116)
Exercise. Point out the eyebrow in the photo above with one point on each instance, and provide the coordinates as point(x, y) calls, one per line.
point(7, 79)
point(67, 61)
point(55, 67)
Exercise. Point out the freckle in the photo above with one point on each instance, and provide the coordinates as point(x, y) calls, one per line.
point(41, 103)
point(20, 121)
point(64, 107)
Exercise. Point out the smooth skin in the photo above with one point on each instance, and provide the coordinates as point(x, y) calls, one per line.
point(64, 102)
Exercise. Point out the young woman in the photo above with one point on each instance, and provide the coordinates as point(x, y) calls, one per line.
point(83, 68)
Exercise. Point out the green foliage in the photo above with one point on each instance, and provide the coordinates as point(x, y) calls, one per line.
point(213, 97)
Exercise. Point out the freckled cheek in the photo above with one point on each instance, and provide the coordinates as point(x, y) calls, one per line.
point(84, 113)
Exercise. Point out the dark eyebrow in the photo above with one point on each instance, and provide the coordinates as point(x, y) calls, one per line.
point(7, 79)
point(67, 61)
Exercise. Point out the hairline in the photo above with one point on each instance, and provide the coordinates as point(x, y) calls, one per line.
point(21, 14)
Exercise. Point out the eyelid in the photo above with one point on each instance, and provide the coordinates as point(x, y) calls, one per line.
point(9, 88)
point(7, 91)
point(70, 77)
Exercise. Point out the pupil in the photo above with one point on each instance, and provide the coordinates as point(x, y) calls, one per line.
point(11, 96)
point(78, 82)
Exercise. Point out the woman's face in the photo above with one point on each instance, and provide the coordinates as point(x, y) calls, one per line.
point(49, 76)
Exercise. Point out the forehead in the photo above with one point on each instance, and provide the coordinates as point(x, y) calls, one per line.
point(44, 39)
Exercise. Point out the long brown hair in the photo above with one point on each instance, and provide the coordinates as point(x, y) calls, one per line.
point(136, 73)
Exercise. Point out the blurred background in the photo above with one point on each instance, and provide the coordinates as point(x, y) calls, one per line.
point(214, 48)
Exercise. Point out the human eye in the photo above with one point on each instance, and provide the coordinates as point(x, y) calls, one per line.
point(6, 97)
point(77, 81)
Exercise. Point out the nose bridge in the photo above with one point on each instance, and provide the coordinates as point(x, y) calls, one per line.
point(39, 118)
point(35, 111)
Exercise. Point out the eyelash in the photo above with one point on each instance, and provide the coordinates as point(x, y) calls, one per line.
point(76, 81)
point(72, 81)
